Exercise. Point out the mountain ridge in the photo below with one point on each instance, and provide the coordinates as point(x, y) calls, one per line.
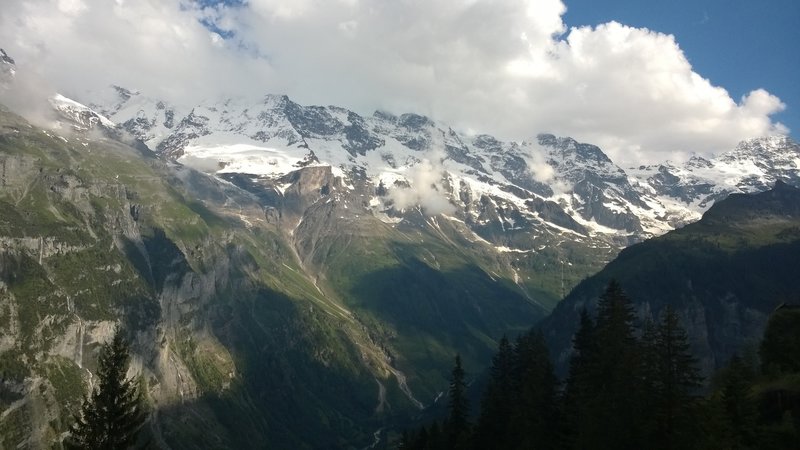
point(723, 275)
point(637, 205)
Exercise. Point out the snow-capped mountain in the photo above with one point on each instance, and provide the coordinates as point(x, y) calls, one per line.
point(8, 70)
point(415, 159)
point(7, 65)
point(77, 116)
point(753, 166)
point(515, 196)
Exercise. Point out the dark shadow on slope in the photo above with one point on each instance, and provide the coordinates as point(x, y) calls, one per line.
point(162, 259)
point(734, 291)
point(415, 296)
point(436, 314)
point(299, 384)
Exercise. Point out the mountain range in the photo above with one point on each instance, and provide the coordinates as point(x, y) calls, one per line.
point(522, 198)
point(283, 268)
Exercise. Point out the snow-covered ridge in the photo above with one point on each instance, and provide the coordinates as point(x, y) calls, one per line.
point(81, 115)
point(415, 161)
point(8, 69)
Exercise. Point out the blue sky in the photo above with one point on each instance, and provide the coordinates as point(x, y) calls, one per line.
point(645, 80)
point(738, 44)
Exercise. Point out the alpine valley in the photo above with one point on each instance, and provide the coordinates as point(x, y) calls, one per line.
point(302, 276)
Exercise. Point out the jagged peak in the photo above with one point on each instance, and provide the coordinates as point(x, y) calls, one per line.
point(547, 139)
point(778, 142)
point(775, 139)
point(486, 141)
point(7, 68)
point(414, 121)
point(567, 145)
point(276, 101)
point(385, 116)
point(5, 58)
point(698, 162)
point(124, 92)
point(82, 116)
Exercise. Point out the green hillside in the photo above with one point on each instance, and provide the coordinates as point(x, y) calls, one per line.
point(240, 340)
point(724, 275)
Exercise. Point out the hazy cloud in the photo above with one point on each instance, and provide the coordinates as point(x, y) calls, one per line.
point(426, 189)
point(508, 68)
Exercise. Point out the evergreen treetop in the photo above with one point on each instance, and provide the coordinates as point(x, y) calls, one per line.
point(111, 418)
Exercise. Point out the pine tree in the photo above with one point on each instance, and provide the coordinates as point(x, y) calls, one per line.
point(535, 417)
point(578, 390)
point(615, 378)
point(672, 378)
point(497, 401)
point(780, 347)
point(741, 415)
point(114, 414)
point(458, 419)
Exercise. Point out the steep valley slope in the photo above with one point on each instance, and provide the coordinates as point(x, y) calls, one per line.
point(245, 332)
point(724, 276)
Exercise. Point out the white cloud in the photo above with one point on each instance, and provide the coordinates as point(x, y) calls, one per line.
point(508, 68)
point(426, 189)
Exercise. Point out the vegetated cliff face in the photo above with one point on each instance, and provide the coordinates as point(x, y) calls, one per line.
point(723, 275)
point(258, 315)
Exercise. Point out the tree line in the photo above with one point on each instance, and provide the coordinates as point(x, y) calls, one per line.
point(629, 386)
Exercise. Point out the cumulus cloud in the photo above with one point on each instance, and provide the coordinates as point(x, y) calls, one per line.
point(508, 68)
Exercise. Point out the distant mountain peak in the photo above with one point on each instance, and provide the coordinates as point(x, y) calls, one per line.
point(5, 58)
point(80, 117)
point(272, 135)
point(7, 66)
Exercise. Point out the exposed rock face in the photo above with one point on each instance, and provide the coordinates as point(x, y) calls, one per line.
point(7, 69)
point(251, 292)
point(306, 186)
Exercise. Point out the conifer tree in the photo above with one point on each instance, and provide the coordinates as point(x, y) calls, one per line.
point(780, 348)
point(672, 378)
point(498, 400)
point(741, 415)
point(578, 388)
point(114, 414)
point(615, 377)
point(458, 407)
point(535, 416)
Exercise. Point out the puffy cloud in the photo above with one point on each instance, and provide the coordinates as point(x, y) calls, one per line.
point(426, 189)
point(159, 47)
point(509, 68)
